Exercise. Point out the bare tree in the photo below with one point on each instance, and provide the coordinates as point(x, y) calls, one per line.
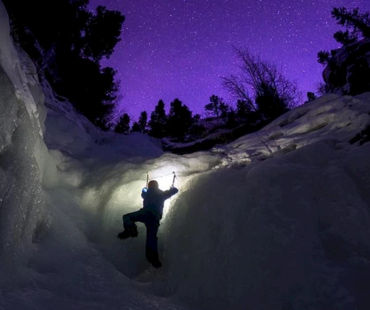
point(255, 75)
point(238, 90)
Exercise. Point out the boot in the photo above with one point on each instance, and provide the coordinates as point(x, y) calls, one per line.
point(128, 232)
point(152, 258)
point(156, 263)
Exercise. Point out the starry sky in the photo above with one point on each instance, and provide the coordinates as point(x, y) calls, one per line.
point(181, 48)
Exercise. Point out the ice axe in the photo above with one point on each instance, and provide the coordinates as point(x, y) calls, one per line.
point(174, 178)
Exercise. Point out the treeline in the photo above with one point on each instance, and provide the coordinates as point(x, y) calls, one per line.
point(261, 91)
point(178, 123)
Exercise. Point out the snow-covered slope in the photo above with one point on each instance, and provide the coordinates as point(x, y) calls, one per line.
point(331, 117)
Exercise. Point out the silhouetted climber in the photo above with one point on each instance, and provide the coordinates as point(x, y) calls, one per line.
point(150, 215)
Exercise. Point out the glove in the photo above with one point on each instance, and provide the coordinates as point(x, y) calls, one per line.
point(144, 190)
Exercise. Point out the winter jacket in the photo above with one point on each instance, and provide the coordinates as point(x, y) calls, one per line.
point(154, 199)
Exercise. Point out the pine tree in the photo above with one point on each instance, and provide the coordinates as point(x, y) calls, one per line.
point(242, 108)
point(123, 125)
point(143, 121)
point(141, 124)
point(71, 40)
point(158, 121)
point(217, 106)
point(357, 24)
point(345, 37)
point(269, 103)
point(179, 119)
point(135, 127)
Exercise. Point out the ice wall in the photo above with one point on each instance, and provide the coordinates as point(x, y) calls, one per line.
point(288, 233)
point(23, 154)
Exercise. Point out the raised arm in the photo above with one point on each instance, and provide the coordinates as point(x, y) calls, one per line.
point(172, 191)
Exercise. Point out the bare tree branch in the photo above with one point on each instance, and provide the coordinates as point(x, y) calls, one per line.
point(257, 74)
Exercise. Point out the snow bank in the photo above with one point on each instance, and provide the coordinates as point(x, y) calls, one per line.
point(328, 117)
point(288, 232)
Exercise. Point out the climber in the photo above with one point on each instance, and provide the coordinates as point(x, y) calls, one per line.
point(150, 215)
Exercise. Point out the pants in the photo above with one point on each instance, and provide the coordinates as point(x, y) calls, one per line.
point(152, 224)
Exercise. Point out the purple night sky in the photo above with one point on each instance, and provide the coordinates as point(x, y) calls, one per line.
point(181, 48)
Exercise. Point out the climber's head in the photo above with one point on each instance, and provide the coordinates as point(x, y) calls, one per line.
point(153, 184)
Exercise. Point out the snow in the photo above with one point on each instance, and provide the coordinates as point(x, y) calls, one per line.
point(278, 219)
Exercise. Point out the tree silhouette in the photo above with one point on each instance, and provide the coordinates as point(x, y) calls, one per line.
point(67, 45)
point(141, 124)
point(347, 68)
point(135, 127)
point(143, 121)
point(357, 27)
point(357, 24)
point(269, 104)
point(179, 119)
point(217, 106)
point(261, 86)
point(311, 96)
point(158, 121)
point(123, 125)
point(243, 108)
point(345, 37)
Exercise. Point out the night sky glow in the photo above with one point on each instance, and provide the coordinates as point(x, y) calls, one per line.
point(181, 48)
